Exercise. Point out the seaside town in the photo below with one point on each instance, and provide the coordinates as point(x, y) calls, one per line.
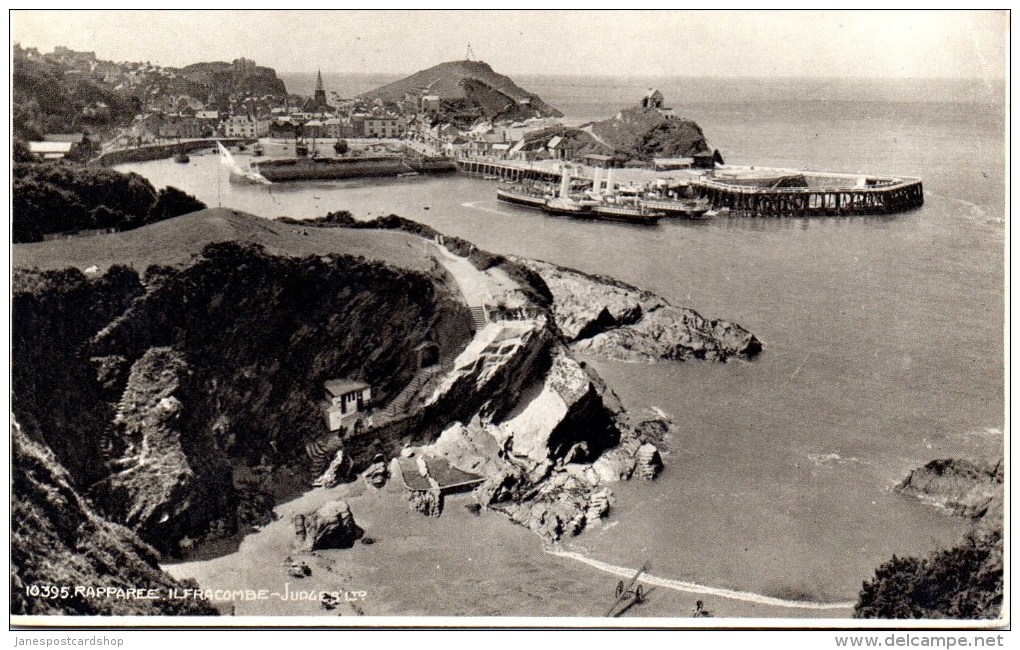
point(456, 116)
point(274, 352)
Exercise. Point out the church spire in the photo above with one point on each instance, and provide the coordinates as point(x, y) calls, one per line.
point(319, 100)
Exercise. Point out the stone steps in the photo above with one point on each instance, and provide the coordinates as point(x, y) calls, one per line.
point(478, 317)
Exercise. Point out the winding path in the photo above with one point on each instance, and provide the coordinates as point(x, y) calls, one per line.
point(694, 588)
point(471, 281)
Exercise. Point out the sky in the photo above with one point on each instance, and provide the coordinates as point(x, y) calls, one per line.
point(926, 44)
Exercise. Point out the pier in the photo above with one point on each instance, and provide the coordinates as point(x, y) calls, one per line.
point(877, 196)
point(165, 150)
point(504, 171)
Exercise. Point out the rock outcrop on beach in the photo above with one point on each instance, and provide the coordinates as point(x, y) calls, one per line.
point(547, 464)
point(58, 539)
point(331, 526)
point(607, 318)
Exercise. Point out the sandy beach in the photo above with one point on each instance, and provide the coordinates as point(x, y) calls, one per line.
point(459, 564)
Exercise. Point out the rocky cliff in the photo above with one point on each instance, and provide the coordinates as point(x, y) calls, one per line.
point(607, 318)
point(645, 133)
point(241, 76)
point(965, 487)
point(174, 398)
point(57, 539)
point(548, 464)
point(963, 582)
point(164, 397)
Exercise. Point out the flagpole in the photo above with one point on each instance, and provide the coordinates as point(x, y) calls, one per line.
point(219, 202)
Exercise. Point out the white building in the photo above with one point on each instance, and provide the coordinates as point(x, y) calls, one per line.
point(244, 126)
point(345, 403)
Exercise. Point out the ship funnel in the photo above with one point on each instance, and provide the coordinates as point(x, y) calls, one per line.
point(610, 187)
point(596, 183)
point(565, 182)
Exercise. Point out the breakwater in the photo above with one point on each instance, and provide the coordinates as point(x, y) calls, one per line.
point(299, 169)
point(160, 151)
point(874, 196)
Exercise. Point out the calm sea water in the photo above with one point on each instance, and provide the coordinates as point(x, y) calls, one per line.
point(884, 335)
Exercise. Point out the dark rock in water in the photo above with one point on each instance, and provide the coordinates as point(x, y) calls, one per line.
point(331, 526)
point(968, 488)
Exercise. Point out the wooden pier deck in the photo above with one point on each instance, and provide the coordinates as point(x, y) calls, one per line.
point(879, 194)
point(886, 196)
point(504, 172)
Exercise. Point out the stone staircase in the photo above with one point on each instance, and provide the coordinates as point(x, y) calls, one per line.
point(478, 317)
point(399, 404)
point(320, 452)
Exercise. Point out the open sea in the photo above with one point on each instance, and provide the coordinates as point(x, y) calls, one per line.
point(883, 335)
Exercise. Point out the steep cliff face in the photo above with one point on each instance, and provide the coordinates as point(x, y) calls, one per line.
point(240, 76)
point(607, 318)
point(54, 389)
point(644, 133)
point(210, 368)
point(166, 480)
point(57, 539)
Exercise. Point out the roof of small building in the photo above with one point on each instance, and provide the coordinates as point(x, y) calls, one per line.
point(446, 474)
point(554, 142)
point(413, 480)
point(50, 147)
point(338, 387)
point(438, 468)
